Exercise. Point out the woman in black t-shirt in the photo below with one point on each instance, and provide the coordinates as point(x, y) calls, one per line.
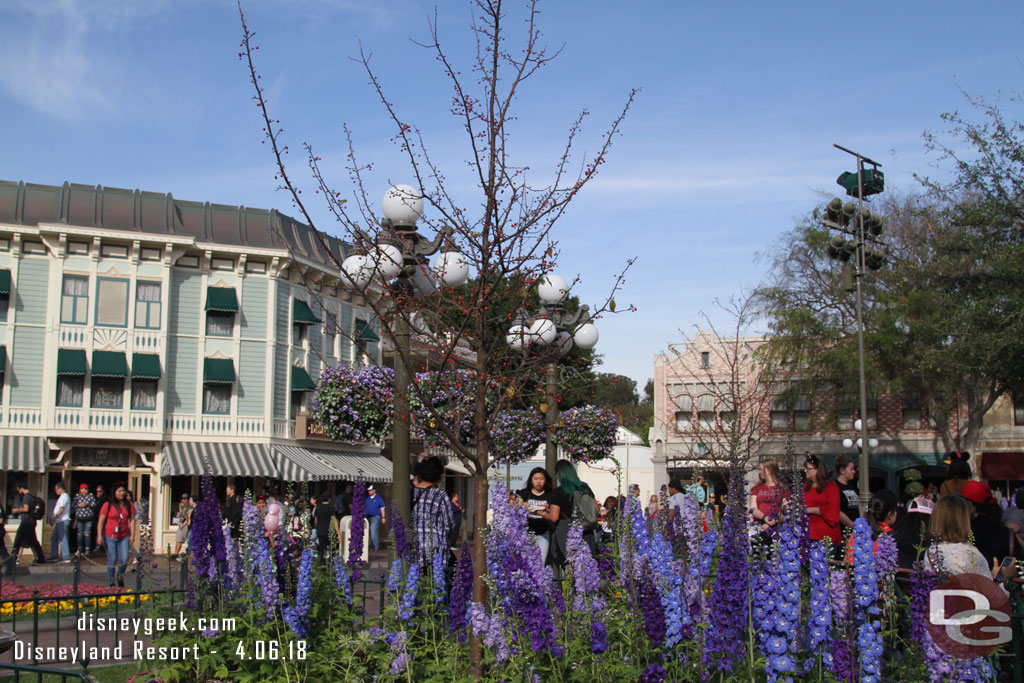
point(543, 507)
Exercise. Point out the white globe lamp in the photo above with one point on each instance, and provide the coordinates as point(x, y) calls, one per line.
point(543, 330)
point(552, 289)
point(389, 260)
point(452, 268)
point(586, 336)
point(403, 204)
point(518, 337)
point(847, 443)
point(359, 269)
point(857, 425)
point(872, 442)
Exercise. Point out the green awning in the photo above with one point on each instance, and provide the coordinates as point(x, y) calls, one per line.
point(109, 364)
point(71, 362)
point(365, 332)
point(5, 282)
point(3, 359)
point(221, 300)
point(301, 381)
point(218, 371)
point(302, 314)
point(145, 366)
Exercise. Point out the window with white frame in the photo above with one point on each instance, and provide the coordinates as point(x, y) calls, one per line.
point(299, 333)
point(802, 414)
point(684, 421)
point(69, 390)
point(147, 305)
point(330, 331)
point(114, 250)
point(912, 410)
point(107, 392)
point(111, 302)
point(779, 414)
point(217, 399)
point(143, 394)
point(74, 304)
point(300, 403)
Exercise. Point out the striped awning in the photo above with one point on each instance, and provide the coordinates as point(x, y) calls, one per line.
point(189, 458)
point(343, 464)
point(23, 453)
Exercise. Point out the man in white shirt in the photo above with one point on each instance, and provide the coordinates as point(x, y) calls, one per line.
point(675, 499)
point(61, 521)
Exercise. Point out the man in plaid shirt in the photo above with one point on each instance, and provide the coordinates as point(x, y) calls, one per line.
point(431, 512)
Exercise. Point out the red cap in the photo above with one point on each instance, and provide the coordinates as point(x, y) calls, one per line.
point(977, 492)
point(83, 487)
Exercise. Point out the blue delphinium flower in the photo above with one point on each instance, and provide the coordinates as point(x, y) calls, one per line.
point(267, 576)
point(586, 578)
point(412, 582)
point(437, 576)
point(398, 643)
point(233, 576)
point(297, 615)
point(395, 575)
point(341, 579)
point(865, 603)
point(461, 594)
point(819, 623)
point(398, 529)
point(649, 602)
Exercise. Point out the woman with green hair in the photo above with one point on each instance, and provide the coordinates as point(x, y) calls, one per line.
point(578, 506)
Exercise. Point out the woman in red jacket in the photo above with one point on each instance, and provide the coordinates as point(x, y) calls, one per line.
point(821, 496)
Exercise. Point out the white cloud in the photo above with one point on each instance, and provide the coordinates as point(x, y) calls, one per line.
point(51, 54)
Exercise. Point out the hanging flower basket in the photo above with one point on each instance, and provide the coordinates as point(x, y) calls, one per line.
point(587, 433)
point(355, 404)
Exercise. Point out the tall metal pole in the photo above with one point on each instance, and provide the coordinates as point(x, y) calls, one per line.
point(864, 483)
point(551, 389)
point(400, 421)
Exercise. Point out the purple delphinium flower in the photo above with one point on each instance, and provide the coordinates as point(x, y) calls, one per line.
point(598, 637)
point(649, 603)
point(885, 567)
point(842, 661)
point(233, 578)
point(728, 618)
point(355, 540)
point(819, 623)
point(190, 592)
point(267, 576)
point(586, 578)
point(297, 615)
point(341, 579)
point(654, 673)
point(395, 575)
point(461, 594)
point(523, 585)
point(207, 541)
point(398, 529)
point(865, 599)
point(398, 643)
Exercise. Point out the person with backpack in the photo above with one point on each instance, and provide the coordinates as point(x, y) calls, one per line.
point(542, 507)
point(32, 509)
point(577, 505)
point(114, 533)
point(84, 506)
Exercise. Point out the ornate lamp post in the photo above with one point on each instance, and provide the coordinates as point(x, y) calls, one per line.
point(399, 257)
point(552, 326)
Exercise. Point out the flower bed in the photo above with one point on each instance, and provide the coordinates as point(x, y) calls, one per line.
point(16, 598)
point(665, 600)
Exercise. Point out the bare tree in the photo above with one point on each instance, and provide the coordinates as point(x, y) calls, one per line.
point(506, 233)
point(720, 389)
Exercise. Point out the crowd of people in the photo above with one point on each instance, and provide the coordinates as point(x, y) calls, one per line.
point(960, 525)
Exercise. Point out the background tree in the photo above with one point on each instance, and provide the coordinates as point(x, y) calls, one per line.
point(944, 317)
point(734, 382)
point(505, 230)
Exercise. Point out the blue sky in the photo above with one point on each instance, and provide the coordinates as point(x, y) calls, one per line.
point(729, 141)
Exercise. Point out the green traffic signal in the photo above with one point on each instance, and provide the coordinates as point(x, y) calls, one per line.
point(873, 181)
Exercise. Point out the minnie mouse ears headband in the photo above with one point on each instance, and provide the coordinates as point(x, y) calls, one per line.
point(957, 455)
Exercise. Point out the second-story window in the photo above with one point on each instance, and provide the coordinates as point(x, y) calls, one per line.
point(143, 394)
point(911, 410)
point(69, 390)
point(220, 324)
point(147, 305)
point(779, 414)
point(111, 302)
point(74, 304)
point(221, 307)
point(107, 392)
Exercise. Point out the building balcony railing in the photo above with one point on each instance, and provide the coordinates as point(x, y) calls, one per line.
point(148, 423)
point(88, 337)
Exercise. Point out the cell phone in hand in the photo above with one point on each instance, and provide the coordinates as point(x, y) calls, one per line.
point(1005, 568)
